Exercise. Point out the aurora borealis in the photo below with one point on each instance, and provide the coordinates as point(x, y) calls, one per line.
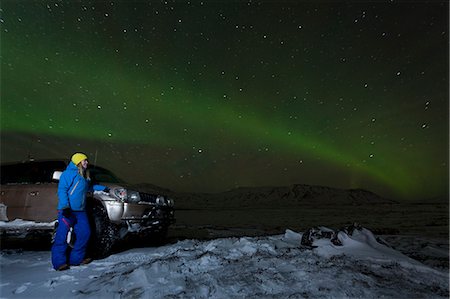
point(212, 95)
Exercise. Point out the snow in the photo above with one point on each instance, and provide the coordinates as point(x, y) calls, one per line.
point(246, 267)
point(25, 224)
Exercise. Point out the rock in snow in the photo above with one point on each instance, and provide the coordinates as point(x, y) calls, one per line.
point(259, 267)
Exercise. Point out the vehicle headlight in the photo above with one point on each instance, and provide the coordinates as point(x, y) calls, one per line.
point(164, 201)
point(127, 195)
point(160, 201)
point(133, 197)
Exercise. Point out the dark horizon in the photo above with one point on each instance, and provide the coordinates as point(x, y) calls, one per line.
point(41, 154)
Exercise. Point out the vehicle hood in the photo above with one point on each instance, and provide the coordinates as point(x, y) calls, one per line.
point(144, 188)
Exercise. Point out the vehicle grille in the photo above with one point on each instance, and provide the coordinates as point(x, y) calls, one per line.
point(148, 197)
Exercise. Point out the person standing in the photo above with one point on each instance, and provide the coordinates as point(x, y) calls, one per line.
point(73, 185)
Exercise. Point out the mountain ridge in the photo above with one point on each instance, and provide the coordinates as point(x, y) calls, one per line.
point(268, 196)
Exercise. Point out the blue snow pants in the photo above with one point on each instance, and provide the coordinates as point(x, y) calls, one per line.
point(61, 252)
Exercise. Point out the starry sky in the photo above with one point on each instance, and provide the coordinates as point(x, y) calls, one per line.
point(205, 96)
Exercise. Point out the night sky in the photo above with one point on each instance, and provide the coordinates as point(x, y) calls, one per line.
point(213, 95)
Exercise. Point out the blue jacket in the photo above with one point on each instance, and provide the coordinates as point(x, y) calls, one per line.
point(72, 189)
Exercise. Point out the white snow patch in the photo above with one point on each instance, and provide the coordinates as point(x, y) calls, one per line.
point(21, 224)
point(273, 266)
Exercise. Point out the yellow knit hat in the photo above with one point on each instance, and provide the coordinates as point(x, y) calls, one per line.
point(78, 157)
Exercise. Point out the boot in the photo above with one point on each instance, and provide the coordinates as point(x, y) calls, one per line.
point(63, 267)
point(86, 261)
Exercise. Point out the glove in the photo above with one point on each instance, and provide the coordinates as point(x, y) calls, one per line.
point(66, 212)
point(106, 190)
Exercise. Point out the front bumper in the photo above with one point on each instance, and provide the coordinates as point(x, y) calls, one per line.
point(155, 219)
point(145, 214)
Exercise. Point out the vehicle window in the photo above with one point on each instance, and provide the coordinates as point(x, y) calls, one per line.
point(14, 174)
point(30, 172)
point(99, 174)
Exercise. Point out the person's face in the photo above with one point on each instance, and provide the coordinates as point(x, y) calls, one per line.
point(84, 163)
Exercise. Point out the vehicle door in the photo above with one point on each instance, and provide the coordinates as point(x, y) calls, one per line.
point(41, 202)
point(29, 193)
point(13, 197)
point(13, 193)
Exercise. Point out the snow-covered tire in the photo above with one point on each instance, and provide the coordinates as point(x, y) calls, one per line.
point(104, 234)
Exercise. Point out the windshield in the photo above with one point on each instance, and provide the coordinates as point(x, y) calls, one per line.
point(103, 175)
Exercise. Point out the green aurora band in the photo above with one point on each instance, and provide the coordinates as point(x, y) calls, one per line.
point(103, 96)
point(217, 117)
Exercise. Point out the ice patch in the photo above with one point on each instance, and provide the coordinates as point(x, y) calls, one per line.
point(292, 237)
point(22, 288)
point(361, 244)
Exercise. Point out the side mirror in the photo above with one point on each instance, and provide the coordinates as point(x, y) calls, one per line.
point(56, 175)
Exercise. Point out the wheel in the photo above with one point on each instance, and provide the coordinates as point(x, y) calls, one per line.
point(104, 234)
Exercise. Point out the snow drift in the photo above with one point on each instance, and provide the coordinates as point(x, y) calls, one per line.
point(275, 266)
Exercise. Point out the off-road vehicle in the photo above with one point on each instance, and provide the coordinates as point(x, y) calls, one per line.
point(29, 192)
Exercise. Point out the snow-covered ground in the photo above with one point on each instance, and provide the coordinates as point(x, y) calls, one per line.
point(18, 224)
point(237, 267)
